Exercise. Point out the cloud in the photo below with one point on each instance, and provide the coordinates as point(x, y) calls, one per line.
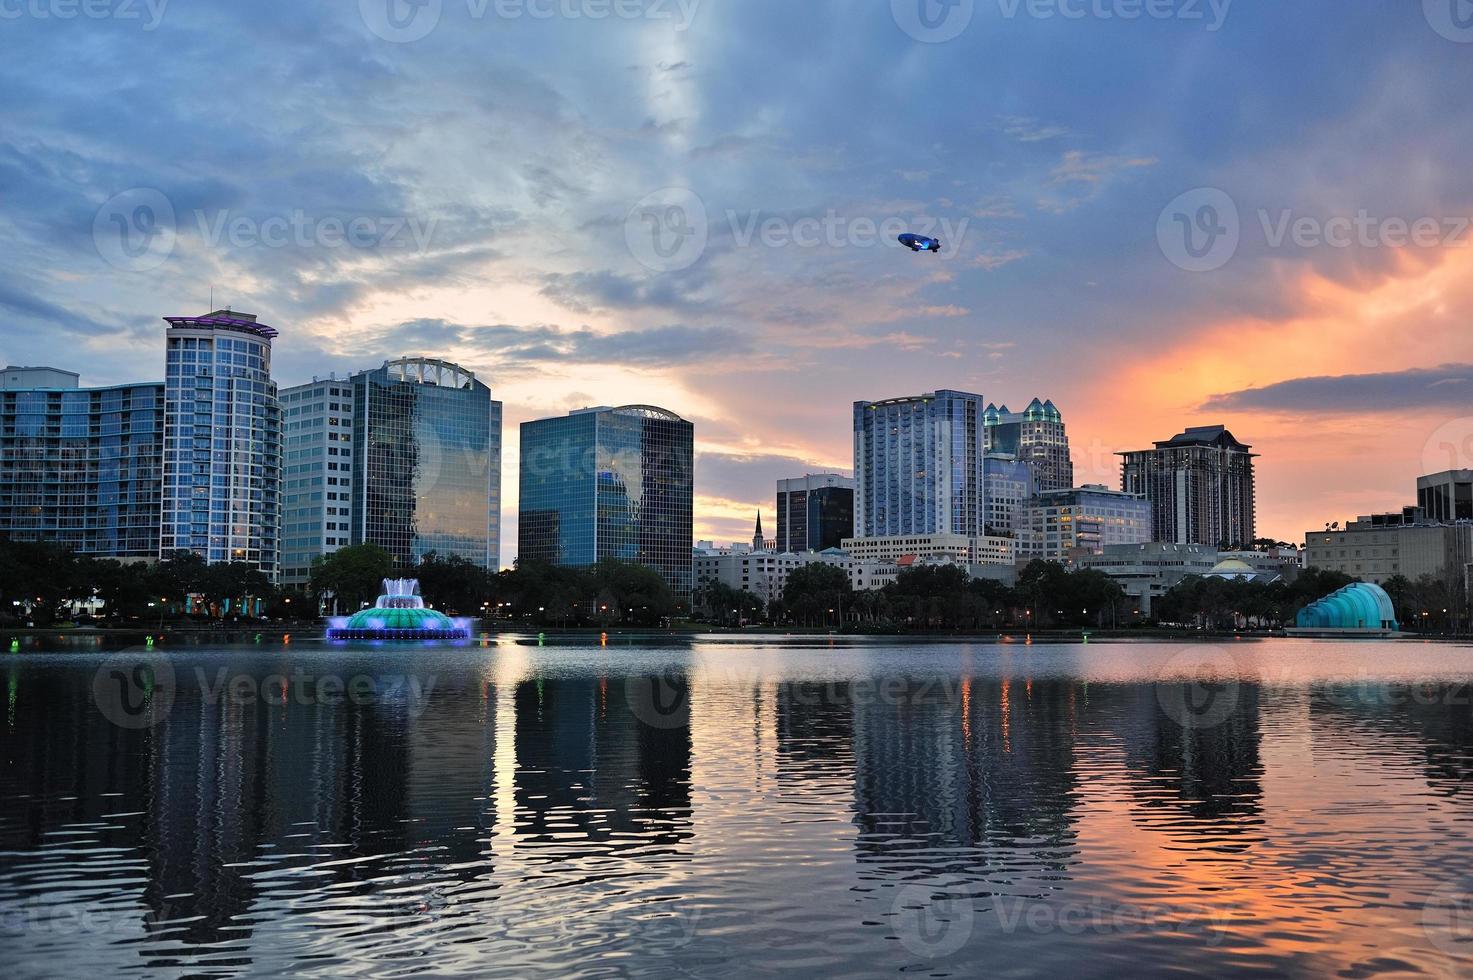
point(1026, 130)
point(749, 478)
point(1079, 177)
point(546, 344)
point(1445, 386)
point(997, 259)
point(592, 292)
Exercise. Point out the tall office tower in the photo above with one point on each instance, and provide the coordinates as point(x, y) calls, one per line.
point(426, 450)
point(1200, 485)
point(81, 466)
point(918, 465)
point(814, 512)
point(609, 483)
point(428, 436)
point(1037, 437)
point(222, 441)
point(1009, 485)
point(317, 474)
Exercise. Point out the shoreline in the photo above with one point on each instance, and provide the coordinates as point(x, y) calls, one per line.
point(312, 630)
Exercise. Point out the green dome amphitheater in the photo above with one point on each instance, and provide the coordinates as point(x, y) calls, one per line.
point(1360, 607)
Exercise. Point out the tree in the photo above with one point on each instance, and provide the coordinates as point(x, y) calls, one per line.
point(39, 576)
point(353, 574)
point(726, 605)
point(635, 593)
point(815, 589)
point(453, 583)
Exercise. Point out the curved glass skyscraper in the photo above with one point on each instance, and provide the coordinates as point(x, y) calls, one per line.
point(222, 441)
point(609, 483)
point(426, 451)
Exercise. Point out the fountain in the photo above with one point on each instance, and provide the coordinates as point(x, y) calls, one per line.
point(399, 614)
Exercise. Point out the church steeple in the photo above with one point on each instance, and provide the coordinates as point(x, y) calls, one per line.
point(757, 543)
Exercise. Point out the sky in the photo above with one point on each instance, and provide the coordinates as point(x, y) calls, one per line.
point(1157, 213)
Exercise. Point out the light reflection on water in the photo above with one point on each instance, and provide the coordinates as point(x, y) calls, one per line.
point(728, 807)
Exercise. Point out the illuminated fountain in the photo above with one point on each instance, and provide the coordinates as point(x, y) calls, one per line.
point(399, 614)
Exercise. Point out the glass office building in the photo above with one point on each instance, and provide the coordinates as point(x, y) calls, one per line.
point(81, 466)
point(1009, 487)
point(814, 512)
point(918, 466)
point(609, 483)
point(426, 451)
point(222, 441)
point(1035, 436)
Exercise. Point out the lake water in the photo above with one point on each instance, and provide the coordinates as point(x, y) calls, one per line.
point(731, 807)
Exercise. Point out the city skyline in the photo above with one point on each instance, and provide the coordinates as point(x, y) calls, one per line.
point(516, 257)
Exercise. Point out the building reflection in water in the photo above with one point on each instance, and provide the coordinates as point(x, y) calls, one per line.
point(517, 799)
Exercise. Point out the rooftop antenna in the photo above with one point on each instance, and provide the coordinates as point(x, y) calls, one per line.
point(212, 296)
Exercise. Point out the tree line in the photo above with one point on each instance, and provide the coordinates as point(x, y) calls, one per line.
point(43, 582)
point(927, 597)
point(1428, 604)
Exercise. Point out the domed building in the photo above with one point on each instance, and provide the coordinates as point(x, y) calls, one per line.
point(1358, 608)
point(1235, 569)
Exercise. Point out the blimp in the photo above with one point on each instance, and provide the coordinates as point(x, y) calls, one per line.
point(920, 243)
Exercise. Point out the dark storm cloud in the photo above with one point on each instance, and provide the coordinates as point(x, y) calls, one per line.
point(1445, 386)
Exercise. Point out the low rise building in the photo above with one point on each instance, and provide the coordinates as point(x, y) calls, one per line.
point(765, 573)
point(1149, 570)
point(1062, 525)
point(958, 548)
point(1378, 547)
